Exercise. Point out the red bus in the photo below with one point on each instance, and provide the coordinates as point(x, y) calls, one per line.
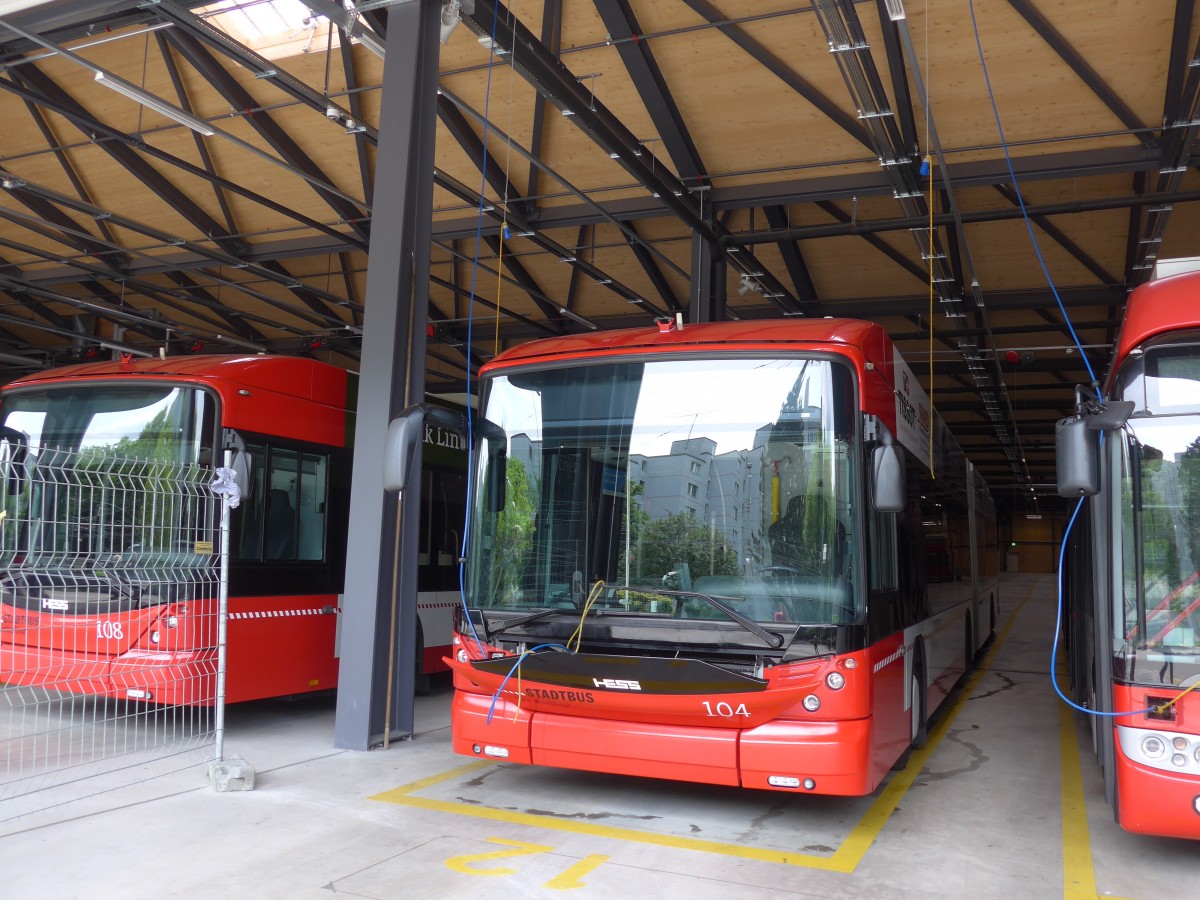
point(92, 601)
point(696, 553)
point(1132, 591)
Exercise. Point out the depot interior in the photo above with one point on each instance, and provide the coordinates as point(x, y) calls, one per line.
point(986, 180)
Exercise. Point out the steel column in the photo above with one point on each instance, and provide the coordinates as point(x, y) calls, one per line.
point(379, 611)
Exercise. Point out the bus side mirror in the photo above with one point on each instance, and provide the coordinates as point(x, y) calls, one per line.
point(888, 469)
point(13, 447)
point(400, 448)
point(1077, 458)
point(1077, 447)
point(404, 436)
point(241, 461)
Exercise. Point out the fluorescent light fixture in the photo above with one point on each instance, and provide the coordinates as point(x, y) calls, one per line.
point(12, 6)
point(586, 323)
point(895, 9)
point(133, 92)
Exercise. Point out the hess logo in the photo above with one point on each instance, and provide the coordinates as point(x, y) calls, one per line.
point(617, 684)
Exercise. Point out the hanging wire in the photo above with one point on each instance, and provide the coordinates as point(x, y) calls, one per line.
point(1058, 629)
point(1021, 201)
point(462, 587)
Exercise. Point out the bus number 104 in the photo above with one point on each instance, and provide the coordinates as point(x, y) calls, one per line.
point(725, 710)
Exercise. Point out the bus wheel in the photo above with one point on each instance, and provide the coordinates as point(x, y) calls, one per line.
point(992, 616)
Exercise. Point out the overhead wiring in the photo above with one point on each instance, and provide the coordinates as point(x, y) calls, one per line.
point(1021, 200)
point(487, 99)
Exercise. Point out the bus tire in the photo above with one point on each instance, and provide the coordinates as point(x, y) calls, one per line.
point(992, 616)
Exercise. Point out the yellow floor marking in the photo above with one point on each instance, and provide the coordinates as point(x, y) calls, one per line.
point(1079, 874)
point(519, 848)
point(573, 877)
point(852, 850)
point(845, 859)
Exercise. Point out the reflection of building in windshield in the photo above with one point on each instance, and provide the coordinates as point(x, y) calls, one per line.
point(714, 487)
point(719, 489)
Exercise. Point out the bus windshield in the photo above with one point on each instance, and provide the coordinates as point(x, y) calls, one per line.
point(1159, 467)
point(99, 480)
point(153, 422)
point(692, 488)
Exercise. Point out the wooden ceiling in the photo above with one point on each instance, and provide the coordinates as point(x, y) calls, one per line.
point(838, 160)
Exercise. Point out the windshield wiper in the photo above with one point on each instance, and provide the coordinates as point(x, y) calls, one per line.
point(771, 638)
point(520, 620)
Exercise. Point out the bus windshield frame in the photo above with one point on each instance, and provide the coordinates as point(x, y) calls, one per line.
point(743, 494)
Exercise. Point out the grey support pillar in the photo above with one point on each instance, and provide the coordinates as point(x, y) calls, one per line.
point(707, 302)
point(379, 611)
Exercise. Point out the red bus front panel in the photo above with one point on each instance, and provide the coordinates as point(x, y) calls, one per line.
point(1158, 762)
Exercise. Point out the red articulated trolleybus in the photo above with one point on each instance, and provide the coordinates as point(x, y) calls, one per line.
point(697, 553)
point(1132, 595)
point(110, 616)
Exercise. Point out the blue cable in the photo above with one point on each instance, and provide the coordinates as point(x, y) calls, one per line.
point(1021, 200)
point(516, 665)
point(1058, 626)
point(462, 585)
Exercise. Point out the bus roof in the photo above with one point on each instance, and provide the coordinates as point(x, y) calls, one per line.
point(869, 337)
point(292, 375)
point(1166, 304)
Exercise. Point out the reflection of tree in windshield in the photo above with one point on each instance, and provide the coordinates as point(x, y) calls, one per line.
point(1189, 483)
point(513, 541)
point(681, 539)
point(1160, 556)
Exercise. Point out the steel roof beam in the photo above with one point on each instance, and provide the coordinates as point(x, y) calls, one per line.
point(134, 164)
point(780, 70)
point(1059, 237)
point(1083, 69)
point(651, 85)
point(554, 80)
point(361, 141)
point(552, 38)
point(201, 147)
point(653, 272)
point(270, 131)
point(793, 260)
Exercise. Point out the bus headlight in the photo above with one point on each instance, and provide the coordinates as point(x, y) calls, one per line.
point(1153, 746)
point(461, 656)
point(812, 702)
point(154, 637)
point(835, 680)
point(1179, 743)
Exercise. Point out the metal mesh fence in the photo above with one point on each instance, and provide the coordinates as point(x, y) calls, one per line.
point(109, 577)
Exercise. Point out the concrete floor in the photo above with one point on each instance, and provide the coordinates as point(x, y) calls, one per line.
point(1005, 801)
